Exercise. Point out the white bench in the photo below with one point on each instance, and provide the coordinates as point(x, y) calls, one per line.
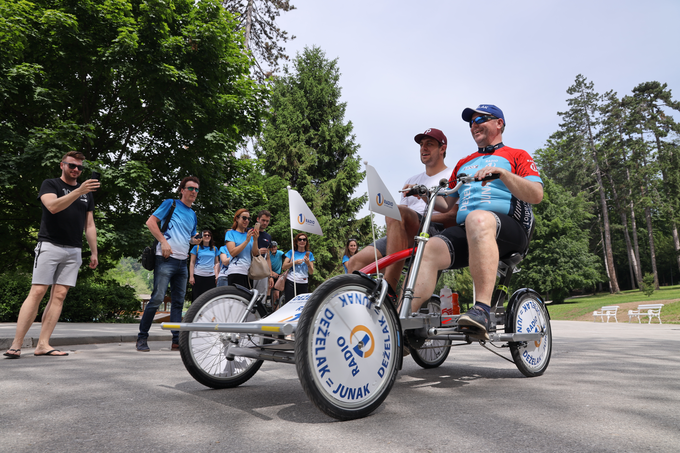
point(651, 310)
point(608, 311)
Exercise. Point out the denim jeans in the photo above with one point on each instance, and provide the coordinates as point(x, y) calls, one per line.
point(222, 281)
point(168, 271)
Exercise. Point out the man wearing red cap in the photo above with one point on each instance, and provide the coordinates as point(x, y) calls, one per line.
point(400, 234)
point(494, 218)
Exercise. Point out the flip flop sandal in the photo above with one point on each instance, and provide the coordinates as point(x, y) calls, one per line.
point(13, 356)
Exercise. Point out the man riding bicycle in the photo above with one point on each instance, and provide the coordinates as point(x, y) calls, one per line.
point(494, 218)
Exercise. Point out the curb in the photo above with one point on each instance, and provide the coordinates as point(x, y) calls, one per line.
point(32, 342)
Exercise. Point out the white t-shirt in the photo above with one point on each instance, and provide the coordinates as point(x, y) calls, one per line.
point(416, 203)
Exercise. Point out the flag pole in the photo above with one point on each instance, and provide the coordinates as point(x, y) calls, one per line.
point(292, 247)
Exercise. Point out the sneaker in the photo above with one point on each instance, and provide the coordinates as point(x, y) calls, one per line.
point(142, 346)
point(175, 347)
point(478, 319)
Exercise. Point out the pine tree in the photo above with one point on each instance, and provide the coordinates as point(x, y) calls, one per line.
point(307, 143)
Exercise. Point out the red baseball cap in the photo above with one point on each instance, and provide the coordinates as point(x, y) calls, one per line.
point(433, 133)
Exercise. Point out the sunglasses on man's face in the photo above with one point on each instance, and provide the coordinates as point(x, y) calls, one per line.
point(192, 189)
point(482, 119)
point(73, 166)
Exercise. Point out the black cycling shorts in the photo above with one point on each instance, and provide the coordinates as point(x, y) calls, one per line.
point(511, 237)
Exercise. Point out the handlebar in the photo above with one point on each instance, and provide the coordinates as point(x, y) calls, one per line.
point(462, 179)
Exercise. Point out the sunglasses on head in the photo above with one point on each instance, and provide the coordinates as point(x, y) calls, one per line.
point(73, 166)
point(482, 119)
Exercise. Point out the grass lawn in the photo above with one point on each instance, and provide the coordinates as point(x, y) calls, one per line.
point(581, 308)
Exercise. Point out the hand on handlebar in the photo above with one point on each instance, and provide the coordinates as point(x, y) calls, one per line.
point(488, 174)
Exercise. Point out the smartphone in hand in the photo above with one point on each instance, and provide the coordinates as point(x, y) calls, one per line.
point(95, 175)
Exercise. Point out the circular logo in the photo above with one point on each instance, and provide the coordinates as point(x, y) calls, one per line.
point(366, 341)
point(379, 199)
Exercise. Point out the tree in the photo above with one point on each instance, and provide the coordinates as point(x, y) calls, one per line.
point(307, 143)
point(262, 36)
point(579, 126)
point(559, 260)
point(150, 92)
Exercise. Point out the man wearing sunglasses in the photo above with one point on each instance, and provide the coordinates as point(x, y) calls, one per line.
point(171, 258)
point(67, 211)
point(494, 218)
point(432, 150)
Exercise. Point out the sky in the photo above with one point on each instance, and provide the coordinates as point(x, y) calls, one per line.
point(407, 66)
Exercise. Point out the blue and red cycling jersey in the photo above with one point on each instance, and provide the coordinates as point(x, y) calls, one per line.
point(495, 196)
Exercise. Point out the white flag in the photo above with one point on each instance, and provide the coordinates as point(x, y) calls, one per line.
point(379, 198)
point(301, 217)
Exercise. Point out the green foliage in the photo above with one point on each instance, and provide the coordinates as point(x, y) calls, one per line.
point(307, 144)
point(90, 301)
point(647, 285)
point(150, 92)
point(559, 259)
point(129, 272)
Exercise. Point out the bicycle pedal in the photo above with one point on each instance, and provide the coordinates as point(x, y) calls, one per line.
point(474, 332)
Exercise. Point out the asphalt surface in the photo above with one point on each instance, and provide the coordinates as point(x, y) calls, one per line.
point(608, 388)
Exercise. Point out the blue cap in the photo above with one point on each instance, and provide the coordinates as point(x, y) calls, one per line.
point(484, 109)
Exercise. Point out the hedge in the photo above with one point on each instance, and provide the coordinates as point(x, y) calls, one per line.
point(94, 300)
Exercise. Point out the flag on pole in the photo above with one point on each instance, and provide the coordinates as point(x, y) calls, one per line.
point(379, 198)
point(301, 217)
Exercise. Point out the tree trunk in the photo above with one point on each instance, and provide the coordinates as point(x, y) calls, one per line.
point(604, 251)
point(636, 244)
point(249, 23)
point(652, 251)
point(624, 222)
point(676, 242)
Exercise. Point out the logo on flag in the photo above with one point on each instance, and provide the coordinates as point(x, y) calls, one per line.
point(300, 214)
point(382, 203)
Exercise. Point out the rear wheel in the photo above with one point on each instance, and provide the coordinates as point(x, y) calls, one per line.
point(204, 353)
point(528, 315)
point(347, 351)
point(430, 353)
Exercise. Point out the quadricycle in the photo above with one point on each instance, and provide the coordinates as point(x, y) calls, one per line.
point(347, 338)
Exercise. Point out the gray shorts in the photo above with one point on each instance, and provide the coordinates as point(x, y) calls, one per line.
point(56, 264)
point(381, 244)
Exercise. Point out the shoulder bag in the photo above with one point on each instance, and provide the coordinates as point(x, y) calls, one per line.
point(149, 253)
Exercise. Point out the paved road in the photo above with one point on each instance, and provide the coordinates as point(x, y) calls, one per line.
point(609, 388)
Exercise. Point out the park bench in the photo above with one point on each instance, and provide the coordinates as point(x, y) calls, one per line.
point(608, 311)
point(650, 310)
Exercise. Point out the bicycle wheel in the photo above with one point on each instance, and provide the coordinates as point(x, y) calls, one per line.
point(204, 353)
point(528, 314)
point(430, 353)
point(347, 351)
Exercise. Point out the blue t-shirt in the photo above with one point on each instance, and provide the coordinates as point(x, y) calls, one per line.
point(495, 196)
point(240, 263)
point(181, 229)
point(223, 269)
point(277, 261)
point(345, 258)
point(299, 273)
point(205, 260)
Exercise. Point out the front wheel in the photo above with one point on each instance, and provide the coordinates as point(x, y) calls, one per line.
point(347, 351)
point(430, 353)
point(204, 353)
point(527, 314)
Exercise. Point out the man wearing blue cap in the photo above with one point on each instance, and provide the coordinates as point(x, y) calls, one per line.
point(494, 218)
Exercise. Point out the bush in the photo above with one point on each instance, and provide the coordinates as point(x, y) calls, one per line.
point(94, 300)
point(647, 286)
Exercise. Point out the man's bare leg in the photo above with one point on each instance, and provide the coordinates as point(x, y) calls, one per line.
point(27, 314)
point(435, 258)
point(50, 318)
point(363, 258)
point(481, 236)
point(400, 236)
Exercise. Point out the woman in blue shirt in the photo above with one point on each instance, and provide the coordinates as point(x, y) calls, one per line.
point(301, 265)
point(203, 266)
point(350, 250)
point(239, 242)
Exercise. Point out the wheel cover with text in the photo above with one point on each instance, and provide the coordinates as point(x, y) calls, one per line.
point(351, 349)
point(530, 318)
